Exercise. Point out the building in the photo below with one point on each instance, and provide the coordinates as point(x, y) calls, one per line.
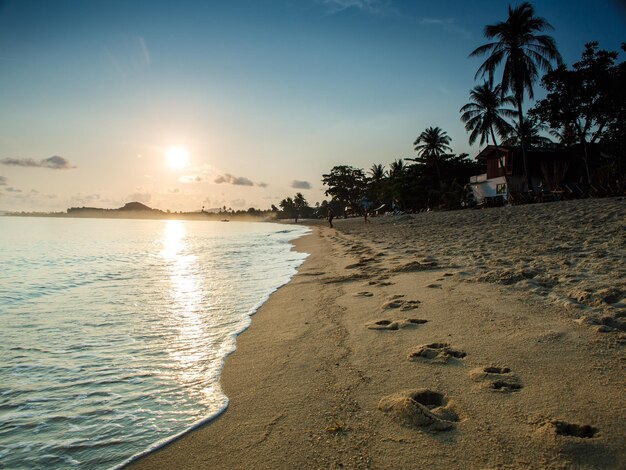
point(548, 168)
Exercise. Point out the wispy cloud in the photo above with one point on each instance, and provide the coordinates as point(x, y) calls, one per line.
point(262, 185)
point(235, 180)
point(296, 184)
point(81, 199)
point(190, 179)
point(13, 190)
point(127, 55)
point(436, 20)
point(54, 163)
point(449, 25)
point(145, 51)
point(3, 181)
point(377, 7)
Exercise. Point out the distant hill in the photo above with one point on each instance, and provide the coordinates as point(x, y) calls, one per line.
point(135, 206)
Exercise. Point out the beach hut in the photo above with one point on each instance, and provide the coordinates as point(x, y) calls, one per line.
point(504, 178)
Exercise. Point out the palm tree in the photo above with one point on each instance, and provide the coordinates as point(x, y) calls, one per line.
point(396, 168)
point(523, 52)
point(377, 176)
point(484, 113)
point(530, 135)
point(377, 172)
point(565, 134)
point(431, 145)
point(395, 184)
point(297, 205)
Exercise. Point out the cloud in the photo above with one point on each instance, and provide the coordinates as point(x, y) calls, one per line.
point(173, 190)
point(236, 180)
point(81, 199)
point(54, 163)
point(127, 55)
point(262, 185)
point(238, 203)
point(370, 6)
point(3, 181)
point(190, 179)
point(12, 190)
point(437, 21)
point(300, 184)
point(448, 24)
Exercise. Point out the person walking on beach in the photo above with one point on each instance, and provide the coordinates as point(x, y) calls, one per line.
point(331, 216)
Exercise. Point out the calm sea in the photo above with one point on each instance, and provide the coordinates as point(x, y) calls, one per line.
point(114, 331)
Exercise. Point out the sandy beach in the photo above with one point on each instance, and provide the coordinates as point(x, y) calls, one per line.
point(468, 339)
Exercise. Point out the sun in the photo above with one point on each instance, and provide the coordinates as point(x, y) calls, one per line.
point(177, 157)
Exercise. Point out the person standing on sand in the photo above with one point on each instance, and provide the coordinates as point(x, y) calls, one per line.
point(365, 204)
point(331, 216)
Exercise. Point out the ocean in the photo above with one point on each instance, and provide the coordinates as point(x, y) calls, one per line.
point(114, 332)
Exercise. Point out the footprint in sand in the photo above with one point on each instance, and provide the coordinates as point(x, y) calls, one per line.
point(420, 408)
point(436, 352)
point(364, 294)
point(415, 266)
point(403, 305)
point(395, 324)
point(558, 427)
point(497, 379)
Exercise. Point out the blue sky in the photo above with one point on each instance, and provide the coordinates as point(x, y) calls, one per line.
point(264, 95)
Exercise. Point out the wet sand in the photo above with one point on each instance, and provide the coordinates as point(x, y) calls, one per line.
point(471, 339)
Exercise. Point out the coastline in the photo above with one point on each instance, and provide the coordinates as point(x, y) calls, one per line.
point(306, 381)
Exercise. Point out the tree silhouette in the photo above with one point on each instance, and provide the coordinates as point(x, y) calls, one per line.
point(531, 135)
point(523, 53)
point(564, 134)
point(377, 172)
point(377, 179)
point(396, 168)
point(300, 202)
point(345, 184)
point(582, 99)
point(431, 144)
point(484, 113)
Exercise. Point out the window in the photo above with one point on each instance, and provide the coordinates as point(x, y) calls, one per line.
point(507, 163)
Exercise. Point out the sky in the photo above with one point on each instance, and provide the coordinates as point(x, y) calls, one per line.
point(258, 98)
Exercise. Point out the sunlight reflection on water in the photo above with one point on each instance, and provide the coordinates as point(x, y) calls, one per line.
point(185, 291)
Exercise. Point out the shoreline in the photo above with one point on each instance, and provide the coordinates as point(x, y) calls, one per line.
point(310, 376)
